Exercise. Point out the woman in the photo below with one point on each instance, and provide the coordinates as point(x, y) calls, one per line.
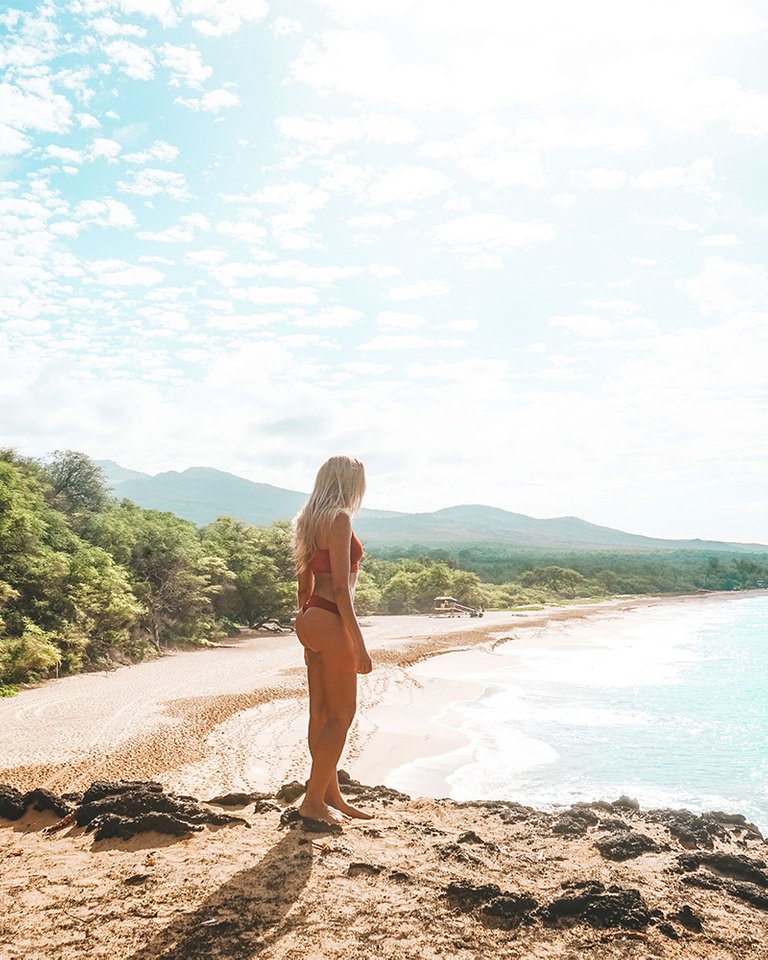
point(327, 554)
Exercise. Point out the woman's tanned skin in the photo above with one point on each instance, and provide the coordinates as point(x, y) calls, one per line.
point(335, 653)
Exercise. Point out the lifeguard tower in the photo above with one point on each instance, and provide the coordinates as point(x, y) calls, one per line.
point(450, 607)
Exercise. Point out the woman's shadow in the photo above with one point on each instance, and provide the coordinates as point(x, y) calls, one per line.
point(235, 921)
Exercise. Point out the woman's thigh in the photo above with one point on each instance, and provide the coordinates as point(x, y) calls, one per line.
point(330, 659)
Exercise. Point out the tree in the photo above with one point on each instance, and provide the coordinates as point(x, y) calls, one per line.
point(560, 580)
point(77, 484)
point(263, 586)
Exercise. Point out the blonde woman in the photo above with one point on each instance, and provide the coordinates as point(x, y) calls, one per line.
point(327, 554)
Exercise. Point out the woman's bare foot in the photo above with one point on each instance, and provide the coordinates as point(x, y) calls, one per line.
point(322, 811)
point(339, 803)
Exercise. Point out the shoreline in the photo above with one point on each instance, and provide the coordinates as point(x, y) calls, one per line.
point(239, 723)
point(434, 744)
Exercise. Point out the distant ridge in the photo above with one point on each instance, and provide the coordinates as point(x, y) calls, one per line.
point(201, 494)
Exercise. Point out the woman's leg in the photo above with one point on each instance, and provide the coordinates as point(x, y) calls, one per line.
point(332, 680)
point(318, 712)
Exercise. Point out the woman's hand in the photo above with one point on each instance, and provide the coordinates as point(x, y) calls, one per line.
point(362, 662)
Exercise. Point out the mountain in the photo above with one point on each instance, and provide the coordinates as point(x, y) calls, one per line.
point(201, 494)
point(115, 474)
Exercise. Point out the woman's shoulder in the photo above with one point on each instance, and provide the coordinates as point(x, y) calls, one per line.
point(341, 523)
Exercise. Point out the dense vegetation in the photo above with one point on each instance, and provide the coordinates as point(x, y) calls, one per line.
point(87, 580)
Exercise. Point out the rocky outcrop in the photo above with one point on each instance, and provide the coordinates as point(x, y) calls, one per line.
point(117, 809)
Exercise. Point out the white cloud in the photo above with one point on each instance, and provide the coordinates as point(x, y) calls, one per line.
point(159, 152)
point(602, 178)
point(720, 240)
point(12, 141)
point(492, 154)
point(584, 325)
point(392, 320)
point(301, 296)
point(182, 232)
point(727, 287)
point(321, 134)
point(404, 342)
point(696, 177)
point(120, 273)
point(103, 147)
point(108, 27)
point(415, 291)
point(25, 107)
point(186, 65)
point(214, 101)
point(106, 213)
point(67, 154)
point(161, 9)
point(330, 317)
point(407, 184)
point(87, 121)
point(136, 62)
point(285, 27)
point(245, 230)
point(371, 221)
point(215, 18)
point(151, 182)
point(481, 239)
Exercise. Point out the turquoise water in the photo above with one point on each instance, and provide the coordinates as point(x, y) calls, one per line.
point(668, 704)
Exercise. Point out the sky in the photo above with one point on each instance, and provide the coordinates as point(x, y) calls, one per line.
point(505, 253)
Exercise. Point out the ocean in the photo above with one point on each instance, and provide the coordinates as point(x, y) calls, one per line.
point(667, 703)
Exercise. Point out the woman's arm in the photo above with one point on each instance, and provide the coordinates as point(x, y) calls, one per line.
point(340, 536)
point(306, 584)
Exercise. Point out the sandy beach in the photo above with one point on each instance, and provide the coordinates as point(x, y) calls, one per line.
point(233, 717)
point(431, 878)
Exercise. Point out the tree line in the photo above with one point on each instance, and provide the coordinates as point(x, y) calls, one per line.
point(87, 580)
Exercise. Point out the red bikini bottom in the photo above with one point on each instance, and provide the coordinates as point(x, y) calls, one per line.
point(318, 601)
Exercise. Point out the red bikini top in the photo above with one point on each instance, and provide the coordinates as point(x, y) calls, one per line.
point(321, 562)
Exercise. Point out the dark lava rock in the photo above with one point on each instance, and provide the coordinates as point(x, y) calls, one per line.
point(507, 810)
point(12, 806)
point(575, 822)
point(668, 930)
point(360, 791)
point(599, 907)
point(748, 892)
point(738, 821)
point(452, 851)
point(103, 788)
point(470, 836)
point(613, 823)
point(733, 866)
point(372, 832)
point(264, 806)
point(466, 896)
point(109, 825)
point(687, 918)
point(368, 869)
point(399, 876)
point(290, 791)
point(238, 799)
point(140, 808)
point(136, 879)
point(292, 818)
point(626, 845)
point(625, 803)
point(40, 800)
point(508, 910)
point(690, 829)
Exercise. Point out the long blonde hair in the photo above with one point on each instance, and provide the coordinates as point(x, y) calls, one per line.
point(339, 488)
